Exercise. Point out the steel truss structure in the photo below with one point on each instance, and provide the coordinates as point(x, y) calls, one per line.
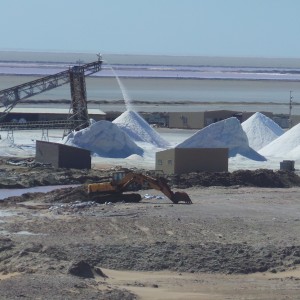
point(78, 119)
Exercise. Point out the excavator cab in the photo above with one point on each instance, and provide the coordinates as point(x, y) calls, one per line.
point(123, 181)
point(118, 176)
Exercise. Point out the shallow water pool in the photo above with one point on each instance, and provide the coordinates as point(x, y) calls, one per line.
point(5, 193)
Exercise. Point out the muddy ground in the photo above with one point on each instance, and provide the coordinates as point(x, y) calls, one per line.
point(24, 173)
point(239, 239)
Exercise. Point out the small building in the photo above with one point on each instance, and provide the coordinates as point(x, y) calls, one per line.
point(62, 156)
point(186, 160)
point(160, 119)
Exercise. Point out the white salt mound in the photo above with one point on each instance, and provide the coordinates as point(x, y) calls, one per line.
point(261, 130)
point(285, 145)
point(104, 139)
point(294, 154)
point(138, 129)
point(223, 134)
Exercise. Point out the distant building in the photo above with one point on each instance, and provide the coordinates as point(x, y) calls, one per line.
point(46, 114)
point(186, 160)
point(62, 156)
point(294, 120)
point(201, 119)
point(285, 122)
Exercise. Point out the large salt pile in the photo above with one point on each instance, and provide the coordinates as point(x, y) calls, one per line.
point(285, 146)
point(261, 130)
point(223, 134)
point(138, 129)
point(104, 139)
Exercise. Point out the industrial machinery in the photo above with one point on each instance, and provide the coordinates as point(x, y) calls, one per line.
point(123, 181)
point(75, 75)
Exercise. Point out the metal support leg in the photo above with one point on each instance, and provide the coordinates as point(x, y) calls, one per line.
point(45, 134)
point(10, 136)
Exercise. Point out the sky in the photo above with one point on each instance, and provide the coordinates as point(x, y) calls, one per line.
point(242, 28)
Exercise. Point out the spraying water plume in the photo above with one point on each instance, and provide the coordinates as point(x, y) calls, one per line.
point(125, 94)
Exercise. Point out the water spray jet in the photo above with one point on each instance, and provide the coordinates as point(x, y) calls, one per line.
point(126, 97)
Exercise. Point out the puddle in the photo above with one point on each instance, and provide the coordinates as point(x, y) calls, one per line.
point(5, 193)
point(28, 233)
point(7, 213)
point(5, 232)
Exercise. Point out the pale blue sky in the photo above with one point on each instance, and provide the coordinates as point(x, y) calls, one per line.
point(260, 28)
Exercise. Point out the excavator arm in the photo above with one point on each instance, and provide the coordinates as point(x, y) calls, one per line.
point(159, 184)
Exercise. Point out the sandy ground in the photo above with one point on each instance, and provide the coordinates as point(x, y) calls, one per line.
point(206, 286)
point(231, 243)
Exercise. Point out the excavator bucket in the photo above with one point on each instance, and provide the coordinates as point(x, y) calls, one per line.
point(181, 197)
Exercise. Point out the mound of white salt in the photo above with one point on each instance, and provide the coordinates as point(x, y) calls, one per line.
point(261, 130)
point(285, 145)
point(138, 129)
point(104, 139)
point(294, 154)
point(223, 134)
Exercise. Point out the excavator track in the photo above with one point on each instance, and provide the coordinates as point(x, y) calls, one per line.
point(114, 198)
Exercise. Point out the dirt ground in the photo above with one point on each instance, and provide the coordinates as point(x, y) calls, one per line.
point(234, 242)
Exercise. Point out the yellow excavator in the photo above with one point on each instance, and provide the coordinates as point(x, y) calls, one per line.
point(123, 181)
